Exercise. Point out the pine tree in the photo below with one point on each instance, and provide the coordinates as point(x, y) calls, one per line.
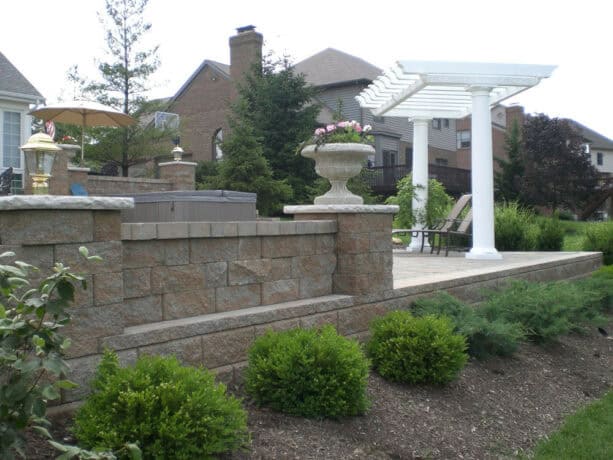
point(508, 178)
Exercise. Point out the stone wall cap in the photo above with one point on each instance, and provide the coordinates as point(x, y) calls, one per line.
point(341, 209)
point(186, 163)
point(78, 169)
point(20, 202)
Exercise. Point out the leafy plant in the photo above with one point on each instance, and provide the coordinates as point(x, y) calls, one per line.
point(551, 235)
point(546, 310)
point(599, 237)
point(409, 349)
point(308, 372)
point(32, 367)
point(514, 228)
point(437, 207)
point(171, 411)
point(485, 337)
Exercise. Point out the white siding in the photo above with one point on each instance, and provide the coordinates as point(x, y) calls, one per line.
point(607, 160)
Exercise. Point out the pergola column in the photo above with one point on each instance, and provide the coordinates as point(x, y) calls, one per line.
point(482, 177)
point(420, 175)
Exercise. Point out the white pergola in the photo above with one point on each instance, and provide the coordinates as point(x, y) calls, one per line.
point(423, 90)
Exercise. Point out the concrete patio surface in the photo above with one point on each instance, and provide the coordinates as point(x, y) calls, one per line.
point(415, 269)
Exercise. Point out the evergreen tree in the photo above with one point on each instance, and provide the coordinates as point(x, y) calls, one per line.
point(558, 172)
point(125, 75)
point(244, 168)
point(277, 104)
point(508, 178)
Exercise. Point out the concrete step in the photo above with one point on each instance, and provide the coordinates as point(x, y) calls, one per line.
point(165, 331)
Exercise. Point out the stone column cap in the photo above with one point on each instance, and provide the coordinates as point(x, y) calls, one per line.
point(20, 202)
point(342, 209)
point(185, 163)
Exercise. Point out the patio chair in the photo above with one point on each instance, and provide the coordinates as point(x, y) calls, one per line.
point(462, 232)
point(5, 181)
point(443, 226)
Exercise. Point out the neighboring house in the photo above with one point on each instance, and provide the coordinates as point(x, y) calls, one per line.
point(599, 147)
point(203, 102)
point(16, 95)
point(339, 77)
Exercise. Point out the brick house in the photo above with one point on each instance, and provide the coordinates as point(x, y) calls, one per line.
point(16, 95)
point(203, 102)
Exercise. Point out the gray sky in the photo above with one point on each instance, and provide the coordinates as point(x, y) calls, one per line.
point(44, 38)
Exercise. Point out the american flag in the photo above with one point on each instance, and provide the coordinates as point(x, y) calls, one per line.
point(50, 129)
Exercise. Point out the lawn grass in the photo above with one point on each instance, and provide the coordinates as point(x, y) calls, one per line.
point(587, 434)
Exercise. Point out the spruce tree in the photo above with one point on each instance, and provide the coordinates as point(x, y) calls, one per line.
point(508, 178)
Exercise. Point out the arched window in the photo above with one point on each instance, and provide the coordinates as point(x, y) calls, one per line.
point(217, 140)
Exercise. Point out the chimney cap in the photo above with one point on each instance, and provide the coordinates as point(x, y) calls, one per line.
point(244, 29)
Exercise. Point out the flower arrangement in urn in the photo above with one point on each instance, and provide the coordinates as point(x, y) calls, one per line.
point(340, 151)
point(343, 132)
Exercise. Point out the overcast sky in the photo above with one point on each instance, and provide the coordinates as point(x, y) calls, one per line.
point(44, 38)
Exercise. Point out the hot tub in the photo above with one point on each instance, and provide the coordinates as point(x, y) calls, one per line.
point(191, 206)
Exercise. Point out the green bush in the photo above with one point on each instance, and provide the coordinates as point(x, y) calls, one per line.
point(599, 237)
point(409, 349)
point(546, 310)
point(171, 411)
point(308, 372)
point(599, 288)
point(514, 228)
point(437, 207)
point(485, 337)
point(551, 235)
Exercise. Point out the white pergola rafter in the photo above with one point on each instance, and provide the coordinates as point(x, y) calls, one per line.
point(422, 90)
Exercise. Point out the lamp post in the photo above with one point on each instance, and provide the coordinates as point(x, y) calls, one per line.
point(39, 152)
point(177, 153)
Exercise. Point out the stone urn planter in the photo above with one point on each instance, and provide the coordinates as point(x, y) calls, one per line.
point(338, 163)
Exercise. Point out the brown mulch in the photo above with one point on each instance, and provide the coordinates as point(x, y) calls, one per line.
point(498, 408)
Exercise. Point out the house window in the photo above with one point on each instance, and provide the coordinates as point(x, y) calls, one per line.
point(441, 161)
point(380, 120)
point(463, 139)
point(408, 156)
point(599, 158)
point(436, 123)
point(217, 140)
point(11, 137)
point(446, 122)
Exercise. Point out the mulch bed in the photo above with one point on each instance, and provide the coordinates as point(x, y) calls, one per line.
point(498, 408)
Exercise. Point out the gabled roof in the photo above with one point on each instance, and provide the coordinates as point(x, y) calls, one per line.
point(331, 67)
point(596, 140)
point(14, 84)
point(222, 69)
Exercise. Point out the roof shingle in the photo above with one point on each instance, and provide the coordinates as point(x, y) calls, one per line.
point(13, 81)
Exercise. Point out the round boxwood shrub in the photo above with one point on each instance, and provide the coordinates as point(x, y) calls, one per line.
point(409, 349)
point(308, 372)
point(169, 410)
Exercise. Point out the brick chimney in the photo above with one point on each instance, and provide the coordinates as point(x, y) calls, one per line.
point(245, 50)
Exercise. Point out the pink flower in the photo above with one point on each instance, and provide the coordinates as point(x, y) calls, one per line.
point(320, 131)
point(357, 127)
point(330, 128)
point(343, 124)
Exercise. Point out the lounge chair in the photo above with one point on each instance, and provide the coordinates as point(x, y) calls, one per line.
point(448, 237)
point(450, 223)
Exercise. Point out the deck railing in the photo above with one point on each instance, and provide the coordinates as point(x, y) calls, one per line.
point(383, 179)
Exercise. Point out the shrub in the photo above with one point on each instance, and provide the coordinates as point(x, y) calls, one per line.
point(599, 237)
point(599, 288)
point(485, 337)
point(551, 235)
point(308, 372)
point(171, 411)
point(409, 349)
point(437, 207)
point(546, 310)
point(31, 349)
point(514, 228)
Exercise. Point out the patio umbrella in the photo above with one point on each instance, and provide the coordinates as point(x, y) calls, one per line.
point(83, 113)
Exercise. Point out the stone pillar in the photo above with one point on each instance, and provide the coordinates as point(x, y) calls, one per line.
point(364, 258)
point(182, 174)
point(420, 176)
point(482, 177)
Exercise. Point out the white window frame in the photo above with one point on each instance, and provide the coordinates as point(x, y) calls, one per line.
point(463, 139)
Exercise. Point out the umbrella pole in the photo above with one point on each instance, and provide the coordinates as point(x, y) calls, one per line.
point(83, 141)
